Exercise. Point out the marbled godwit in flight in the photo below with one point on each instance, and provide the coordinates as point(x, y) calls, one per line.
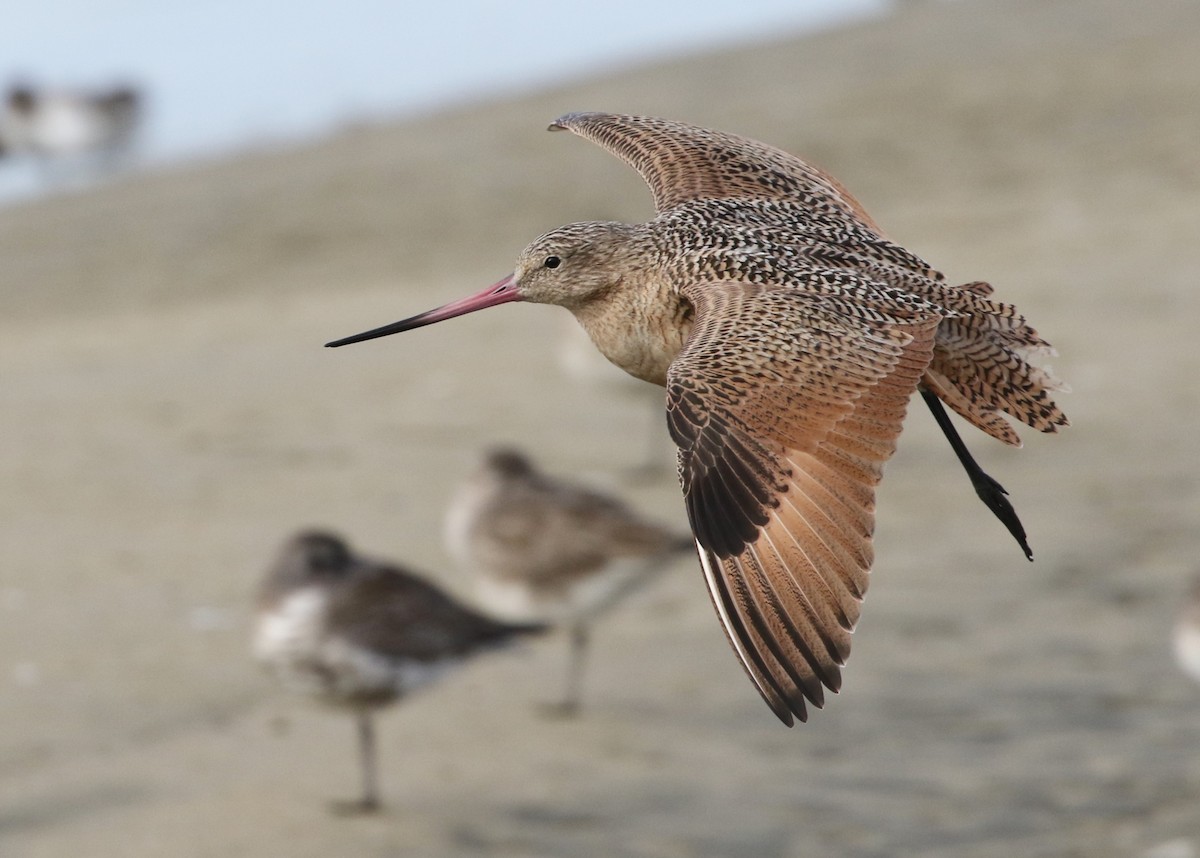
point(549, 551)
point(361, 634)
point(789, 334)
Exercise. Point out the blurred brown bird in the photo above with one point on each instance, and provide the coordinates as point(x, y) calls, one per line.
point(361, 634)
point(789, 334)
point(550, 551)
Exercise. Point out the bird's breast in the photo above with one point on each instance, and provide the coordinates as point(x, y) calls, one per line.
point(641, 338)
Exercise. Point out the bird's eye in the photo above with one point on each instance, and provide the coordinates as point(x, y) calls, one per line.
point(552, 262)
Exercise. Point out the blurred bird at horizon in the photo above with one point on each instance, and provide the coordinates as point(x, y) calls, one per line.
point(73, 134)
point(547, 550)
point(361, 634)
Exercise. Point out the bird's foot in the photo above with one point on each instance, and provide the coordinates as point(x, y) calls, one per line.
point(560, 710)
point(360, 807)
point(996, 498)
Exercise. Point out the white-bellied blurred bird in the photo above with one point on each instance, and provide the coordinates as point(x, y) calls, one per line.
point(361, 634)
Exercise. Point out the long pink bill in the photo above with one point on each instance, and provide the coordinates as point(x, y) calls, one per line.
point(498, 293)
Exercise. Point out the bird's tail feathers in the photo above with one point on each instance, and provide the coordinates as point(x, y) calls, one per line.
point(980, 365)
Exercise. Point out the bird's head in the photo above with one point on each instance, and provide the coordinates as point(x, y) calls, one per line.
point(569, 266)
point(308, 557)
point(573, 264)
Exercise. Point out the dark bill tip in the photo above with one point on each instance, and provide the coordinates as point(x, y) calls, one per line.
point(394, 328)
point(500, 292)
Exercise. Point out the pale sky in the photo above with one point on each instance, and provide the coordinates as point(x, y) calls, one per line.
point(225, 73)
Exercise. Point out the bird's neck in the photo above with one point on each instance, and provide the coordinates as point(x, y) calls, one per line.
point(640, 325)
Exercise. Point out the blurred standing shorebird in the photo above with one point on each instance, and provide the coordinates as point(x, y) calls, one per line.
point(789, 334)
point(361, 634)
point(549, 551)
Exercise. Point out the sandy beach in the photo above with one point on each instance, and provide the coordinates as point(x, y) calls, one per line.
point(168, 416)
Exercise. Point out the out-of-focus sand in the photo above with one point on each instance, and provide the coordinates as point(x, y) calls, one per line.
point(167, 416)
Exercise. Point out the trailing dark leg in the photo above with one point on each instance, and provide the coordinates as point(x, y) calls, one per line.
point(989, 491)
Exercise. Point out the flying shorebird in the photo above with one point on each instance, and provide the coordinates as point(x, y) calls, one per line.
point(361, 634)
point(789, 334)
point(545, 550)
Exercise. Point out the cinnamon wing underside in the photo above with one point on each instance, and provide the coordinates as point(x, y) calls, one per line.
point(780, 451)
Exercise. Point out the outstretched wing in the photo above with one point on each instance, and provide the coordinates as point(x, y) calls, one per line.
point(785, 408)
point(682, 163)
